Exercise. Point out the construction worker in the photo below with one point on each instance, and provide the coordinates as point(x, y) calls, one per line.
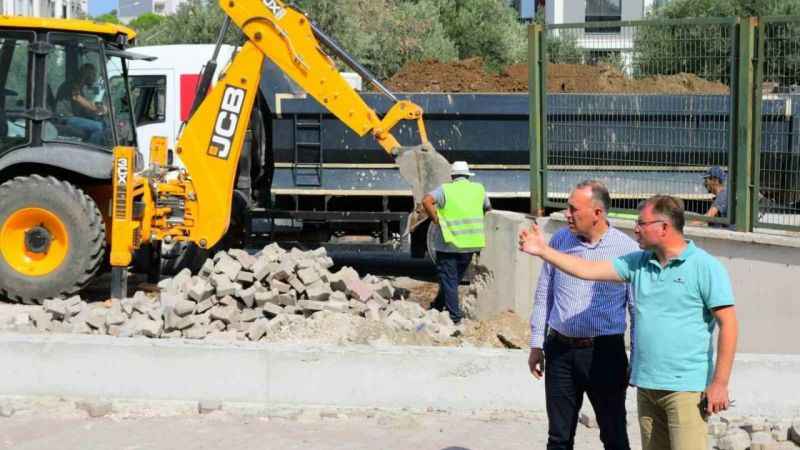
point(714, 182)
point(457, 211)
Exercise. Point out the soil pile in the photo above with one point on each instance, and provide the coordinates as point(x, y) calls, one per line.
point(470, 75)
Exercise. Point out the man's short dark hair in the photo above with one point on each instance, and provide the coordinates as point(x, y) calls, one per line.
point(669, 207)
point(599, 192)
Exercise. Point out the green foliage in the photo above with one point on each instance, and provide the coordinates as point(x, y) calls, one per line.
point(678, 9)
point(110, 17)
point(485, 28)
point(195, 22)
point(563, 49)
point(145, 22)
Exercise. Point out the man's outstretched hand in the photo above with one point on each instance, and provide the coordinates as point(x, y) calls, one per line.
point(532, 241)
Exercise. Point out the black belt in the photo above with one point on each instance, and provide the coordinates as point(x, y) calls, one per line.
point(578, 342)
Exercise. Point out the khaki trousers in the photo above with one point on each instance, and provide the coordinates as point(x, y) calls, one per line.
point(671, 420)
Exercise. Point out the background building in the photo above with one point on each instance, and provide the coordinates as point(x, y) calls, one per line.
point(131, 9)
point(66, 9)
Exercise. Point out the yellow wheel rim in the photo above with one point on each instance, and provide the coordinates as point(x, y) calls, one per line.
point(34, 241)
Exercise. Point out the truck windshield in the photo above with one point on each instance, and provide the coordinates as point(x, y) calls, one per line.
point(120, 101)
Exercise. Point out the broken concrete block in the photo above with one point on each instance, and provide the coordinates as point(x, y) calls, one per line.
point(205, 305)
point(147, 327)
point(338, 296)
point(325, 262)
point(174, 334)
point(311, 306)
point(272, 250)
point(263, 297)
point(338, 280)
point(249, 315)
point(296, 284)
point(356, 307)
point(201, 290)
point(97, 319)
point(408, 309)
point(184, 307)
point(754, 424)
point(245, 259)
point(780, 430)
point(337, 307)
point(379, 300)
point(248, 295)
point(217, 325)
point(208, 268)
point(373, 314)
point(762, 440)
point(287, 299)
point(228, 267)
point(283, 272)
point(244, 277)
point(280, 286)
point(271, 310)
point(358, 289)
point(385, 289)
point(318, 292)
point(734, 439)
point(57, 308)
point(263, 267)
point(116, 318)
point(258, 329)
point(227, 301)
point(226, 314)
point(95, 408)
point(195, 332)
point(291, 309)
point(308, 276)
point(397, 321)
point(173, 322)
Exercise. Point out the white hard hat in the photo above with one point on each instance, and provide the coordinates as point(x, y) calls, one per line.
point(461, 168)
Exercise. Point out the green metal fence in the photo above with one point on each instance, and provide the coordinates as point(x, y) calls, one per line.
point(647, 107)
point(777, 159)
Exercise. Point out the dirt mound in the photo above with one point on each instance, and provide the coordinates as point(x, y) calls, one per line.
point(470, 75)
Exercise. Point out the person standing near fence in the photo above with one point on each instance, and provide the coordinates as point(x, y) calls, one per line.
point(714, 182)
point(681, 293)
point(585, 345)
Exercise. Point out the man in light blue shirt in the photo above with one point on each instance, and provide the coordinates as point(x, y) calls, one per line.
point(681, 293)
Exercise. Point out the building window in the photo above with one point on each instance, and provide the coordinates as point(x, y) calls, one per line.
point(603, 11)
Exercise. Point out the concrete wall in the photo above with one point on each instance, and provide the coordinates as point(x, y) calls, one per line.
point(763, 270)
point(454, 379)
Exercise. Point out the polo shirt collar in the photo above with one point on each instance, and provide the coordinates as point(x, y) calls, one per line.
point(685, 254)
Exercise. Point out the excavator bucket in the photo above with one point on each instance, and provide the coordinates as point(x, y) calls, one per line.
point(424, 169)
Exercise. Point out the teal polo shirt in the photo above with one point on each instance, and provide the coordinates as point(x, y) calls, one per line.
point(673, 348)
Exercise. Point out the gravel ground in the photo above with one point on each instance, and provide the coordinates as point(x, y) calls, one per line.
point(321, 430)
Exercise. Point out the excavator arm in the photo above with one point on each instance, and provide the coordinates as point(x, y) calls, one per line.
point(194, 204)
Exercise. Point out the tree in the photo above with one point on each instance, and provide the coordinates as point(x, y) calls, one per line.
point(706, 50)
point(195, 22)
point(145, 22)
point(109, 17)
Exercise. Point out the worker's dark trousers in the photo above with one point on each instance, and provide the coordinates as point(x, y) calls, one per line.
point(601, 371)
point(451, 268)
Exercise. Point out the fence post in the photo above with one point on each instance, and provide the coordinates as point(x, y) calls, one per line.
point(743, 159)
point(536, 96)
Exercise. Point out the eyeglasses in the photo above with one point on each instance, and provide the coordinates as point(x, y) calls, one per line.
point(641, 224)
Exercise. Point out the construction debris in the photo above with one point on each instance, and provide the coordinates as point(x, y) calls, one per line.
point(274, 295)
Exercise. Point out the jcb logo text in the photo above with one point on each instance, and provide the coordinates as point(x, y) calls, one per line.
point(227, 120)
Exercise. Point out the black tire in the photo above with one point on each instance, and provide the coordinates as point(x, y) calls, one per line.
point(85, 233)
point(182, 255)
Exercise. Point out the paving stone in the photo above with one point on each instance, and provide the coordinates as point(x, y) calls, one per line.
point(97, 319)
point(410, 310)
point(185, 307)
point(217, 325)
point(272, 250)
point(338, 280)
point(271, 310)
point(227, 314)
point(263, 297)
point(311, 306)
point(762, 440)
point(173, 322)
point(397, 321)
point(195, 332)
point(20, 319)
point(56, 308)
point(291, 309)
point(358, 289)
point(174, 334)
point(205, 305)
point(227, 301)
point(147, 327)
point(296, 284)
point(379, 300)
point(280, 286)
point(716, 428)
point(373, 314)
point(209, 406)
point(116, 318)
point(734, 439)
point(385, 289)
point(326, 262)
point(356, 306)
point(308, 275)
point(80, 328)
point(225, 287)
point(283, 272)
point(287, 299)
point(754, 424)
point(245, 277)
point(95, 408)
point(228, 266)
point(201, 290)
point(264, 267)
point(337, 307)
point(780, 430)
point(257, 329)
point(208, 267)
point(245, 259)
point(319, 292)
point(248, 295)
point(249, 315)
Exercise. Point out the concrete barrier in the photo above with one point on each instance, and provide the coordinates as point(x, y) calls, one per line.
point(763, 270)
point(457, 379)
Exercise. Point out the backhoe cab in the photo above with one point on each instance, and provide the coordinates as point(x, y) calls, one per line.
point(64, 107)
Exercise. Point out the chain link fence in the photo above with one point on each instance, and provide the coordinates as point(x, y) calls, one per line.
point(645, 107)
point(777, 174)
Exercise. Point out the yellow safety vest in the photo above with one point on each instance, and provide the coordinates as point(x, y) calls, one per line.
point(461, 219)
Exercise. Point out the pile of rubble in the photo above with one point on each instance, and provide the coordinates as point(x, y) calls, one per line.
point(272, 295)
point(730, 432)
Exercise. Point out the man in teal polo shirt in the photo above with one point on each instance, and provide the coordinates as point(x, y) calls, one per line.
point(681, 293)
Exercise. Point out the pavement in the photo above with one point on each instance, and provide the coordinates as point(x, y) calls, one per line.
point(306, 429)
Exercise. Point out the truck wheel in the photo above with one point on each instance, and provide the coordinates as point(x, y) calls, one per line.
point(52, 239)
point(182, 255)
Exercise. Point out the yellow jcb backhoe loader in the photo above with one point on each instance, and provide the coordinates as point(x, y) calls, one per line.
point(193, 203)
